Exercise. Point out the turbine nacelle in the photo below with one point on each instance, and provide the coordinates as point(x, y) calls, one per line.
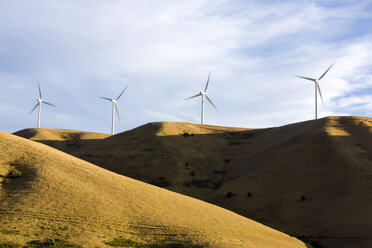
point(40, 101)
point(114, 108)
point(204, 94)
point(317, 88)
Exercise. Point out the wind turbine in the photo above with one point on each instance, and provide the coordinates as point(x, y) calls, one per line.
point(203, 94)
point(38, 104)
point(114, 107)
point(316, 82)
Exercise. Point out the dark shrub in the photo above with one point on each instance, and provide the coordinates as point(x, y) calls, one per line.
point(9, 245)
point(121, 242)
point(148, 149)
point(14, 173)
point(362, 124)
point(56, 243)
point(219, 172)
point(229, 194)
point(234, 143)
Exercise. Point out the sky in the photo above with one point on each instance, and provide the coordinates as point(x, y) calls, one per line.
point(163, 51)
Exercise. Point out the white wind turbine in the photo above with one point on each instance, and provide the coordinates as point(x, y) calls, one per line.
point(38, 104)
point(317, 88)
point(203, 94)
point(114, 107)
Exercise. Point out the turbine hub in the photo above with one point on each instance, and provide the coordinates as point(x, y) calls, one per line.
point(202, 93)
point(113, 100)
point(39, 100)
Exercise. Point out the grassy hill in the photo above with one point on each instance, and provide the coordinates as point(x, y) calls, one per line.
point(61, 139)
point(311, 179)
point(50, 197)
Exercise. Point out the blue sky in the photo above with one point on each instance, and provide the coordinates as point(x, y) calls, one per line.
point(163, 50)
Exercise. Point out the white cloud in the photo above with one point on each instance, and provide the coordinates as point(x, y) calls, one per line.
point(164, 50)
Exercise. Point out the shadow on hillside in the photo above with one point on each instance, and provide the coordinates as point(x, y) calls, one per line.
point(28, 173)
point(358, 140)
point(68, 146)
point(166, 159)
point(201, 160)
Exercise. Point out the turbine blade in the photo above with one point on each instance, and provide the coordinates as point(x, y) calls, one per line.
point(211, 102)
point(311, 79)
point(105, 98)
point(121, 93)
point(326, 71)
point(38, 85)
point(49, 103)
point(37, 104)
point(320, 93)
point(206, 86)
point(193, 96)
point(117, 111)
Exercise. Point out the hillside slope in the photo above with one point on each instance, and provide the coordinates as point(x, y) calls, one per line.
point(311, 179)
point(62, 197)
point(165, 154)
point(62, 139)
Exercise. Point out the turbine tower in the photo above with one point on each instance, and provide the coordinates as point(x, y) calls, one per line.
point(114, 107)
point(38, 105)
point(204, 94)
point(317, 88)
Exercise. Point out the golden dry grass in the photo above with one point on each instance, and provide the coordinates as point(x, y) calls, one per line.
point(62, 197)
point(328, 161)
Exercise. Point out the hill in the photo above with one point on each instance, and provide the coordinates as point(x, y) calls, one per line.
point(48, 197)
point(311, 179)
point(61, 139)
